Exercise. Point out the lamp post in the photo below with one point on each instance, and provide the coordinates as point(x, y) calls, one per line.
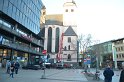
point(44, 66)
point(115, 57)
point(96, 64)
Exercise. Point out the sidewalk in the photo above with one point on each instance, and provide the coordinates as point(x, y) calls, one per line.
point(68, 75)
point(52, 75)
point(115, 78)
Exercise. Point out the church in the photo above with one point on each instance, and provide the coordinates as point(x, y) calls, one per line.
point(61, 34)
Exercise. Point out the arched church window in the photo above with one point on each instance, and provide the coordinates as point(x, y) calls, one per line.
point(49, 41)
point(65, 48)
point(57, 40)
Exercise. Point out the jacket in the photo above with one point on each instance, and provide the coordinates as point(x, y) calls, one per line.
point(108, 73)
point(122, 76)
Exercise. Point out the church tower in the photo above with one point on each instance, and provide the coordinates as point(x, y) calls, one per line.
point(70, 32)
point(69, 13)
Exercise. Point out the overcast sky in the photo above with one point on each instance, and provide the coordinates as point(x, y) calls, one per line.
point(103, 19)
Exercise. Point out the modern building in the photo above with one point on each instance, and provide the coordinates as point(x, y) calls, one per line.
point(118, 52)
point(20, 37)
point(109, 52)
point(102, 52)
point(61, 34)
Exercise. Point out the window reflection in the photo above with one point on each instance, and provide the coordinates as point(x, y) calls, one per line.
point(16, 9)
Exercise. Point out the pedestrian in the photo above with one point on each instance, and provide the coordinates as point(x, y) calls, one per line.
point(122, 73)
point(8, 64)
point(108, 73)
point(17, 65)
point(12, 70)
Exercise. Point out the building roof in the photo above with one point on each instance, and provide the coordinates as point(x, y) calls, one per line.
point(70, 3)
point(70, 32)
point(117, 39)
point(53, 22)
point(54, 19)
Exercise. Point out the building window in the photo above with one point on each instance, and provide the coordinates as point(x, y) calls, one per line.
point(44, 13)
point(122, 55)
point(66, 10)
point(69, 57)
point(117, 55)
point(49, 42)
point(72, 10)
point(57, 40)
point(69, 39)
point(121, 48)
point(65, 48)
point(69, 47)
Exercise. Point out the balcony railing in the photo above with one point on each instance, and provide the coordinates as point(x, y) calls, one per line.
point(21, 47)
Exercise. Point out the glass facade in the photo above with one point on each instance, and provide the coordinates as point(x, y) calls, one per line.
point(25, 12)
point(19, 29)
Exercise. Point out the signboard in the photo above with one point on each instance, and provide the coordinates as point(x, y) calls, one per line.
point(88, 60)
point(44, 51)
point(85, 61)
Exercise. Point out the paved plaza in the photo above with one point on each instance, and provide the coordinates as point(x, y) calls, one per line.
point(53, 75)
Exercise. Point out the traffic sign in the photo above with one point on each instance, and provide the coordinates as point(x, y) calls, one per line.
point(44, 51)
point(85, 61)
point(88, 60)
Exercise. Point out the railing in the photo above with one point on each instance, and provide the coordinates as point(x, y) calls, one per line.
point(18, 34)
point(20, 47)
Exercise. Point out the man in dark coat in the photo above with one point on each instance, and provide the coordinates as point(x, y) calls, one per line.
point(122, 73)
point(16, 67)
point(108, 73)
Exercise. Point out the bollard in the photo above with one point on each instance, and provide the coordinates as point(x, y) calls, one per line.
point(43, 76)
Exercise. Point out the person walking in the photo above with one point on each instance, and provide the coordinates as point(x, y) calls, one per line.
point(122, 73)
point(12, 70)
point(16, 67)
point(108, 73)
point(8, 64)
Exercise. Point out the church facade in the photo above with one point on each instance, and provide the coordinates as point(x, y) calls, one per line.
point(61, 34)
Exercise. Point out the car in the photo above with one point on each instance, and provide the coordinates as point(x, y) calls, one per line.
point(67, 66)
point(33, 67)
point(59, 65)
point(47, 65)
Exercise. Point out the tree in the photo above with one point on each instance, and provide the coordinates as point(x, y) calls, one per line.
point(84, 43)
